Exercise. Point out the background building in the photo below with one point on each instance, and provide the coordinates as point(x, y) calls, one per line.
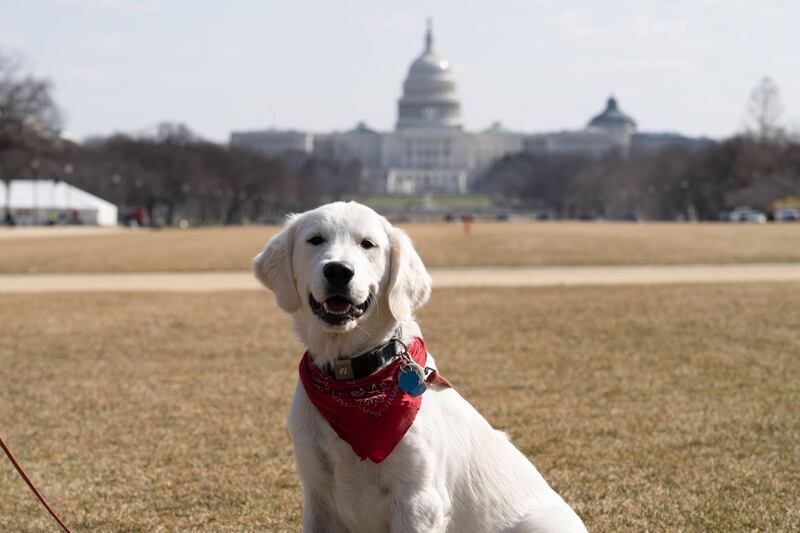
point(429, 151)
point(275, 142)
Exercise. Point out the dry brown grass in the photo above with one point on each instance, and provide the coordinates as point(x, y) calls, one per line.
point(137, 251)
point(649, 409)
point(441, 245)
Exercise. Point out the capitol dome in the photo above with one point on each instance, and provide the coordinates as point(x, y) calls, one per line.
point(429, 93)
point(613, 119)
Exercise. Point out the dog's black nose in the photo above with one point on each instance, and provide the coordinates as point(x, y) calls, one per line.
point(337, 273)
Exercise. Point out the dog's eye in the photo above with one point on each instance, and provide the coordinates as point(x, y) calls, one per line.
point(367, 244)
point(316, 240)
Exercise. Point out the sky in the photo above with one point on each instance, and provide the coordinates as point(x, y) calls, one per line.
point(686, 66)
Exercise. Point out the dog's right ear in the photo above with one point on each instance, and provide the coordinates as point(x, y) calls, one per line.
point(409, 282)
point(273, 267)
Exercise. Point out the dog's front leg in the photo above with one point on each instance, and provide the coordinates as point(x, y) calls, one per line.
point(316, 472)
point(419, 512)
point(318, 516)
point(316, 478)
point(418, 499)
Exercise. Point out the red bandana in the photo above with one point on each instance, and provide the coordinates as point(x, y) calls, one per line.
point(371, 414)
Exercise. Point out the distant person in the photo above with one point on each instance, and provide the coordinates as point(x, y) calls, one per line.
point(134, 218)
point(467, 220)
point(52, 218)
point(9, 220)
point(75, 219)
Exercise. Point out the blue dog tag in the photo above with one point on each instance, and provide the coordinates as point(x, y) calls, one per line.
point(418, 391)
point(411, 381)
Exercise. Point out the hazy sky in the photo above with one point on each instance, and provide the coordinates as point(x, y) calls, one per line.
point(536, 65)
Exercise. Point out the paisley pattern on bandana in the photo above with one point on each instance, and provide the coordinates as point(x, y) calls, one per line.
point(371, 414)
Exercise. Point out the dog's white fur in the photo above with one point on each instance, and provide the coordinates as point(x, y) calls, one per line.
point(451, 471)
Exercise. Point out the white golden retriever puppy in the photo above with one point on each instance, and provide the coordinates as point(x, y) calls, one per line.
point(377, 449)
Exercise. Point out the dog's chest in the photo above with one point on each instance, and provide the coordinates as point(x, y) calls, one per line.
point(363, 491)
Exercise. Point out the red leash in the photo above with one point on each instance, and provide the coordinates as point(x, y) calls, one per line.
point(31, 486)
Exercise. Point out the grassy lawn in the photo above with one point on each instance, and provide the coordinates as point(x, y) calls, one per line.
point(647, 408)
point(440, 244)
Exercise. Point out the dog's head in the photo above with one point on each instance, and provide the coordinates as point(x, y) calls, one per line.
point(342, 264)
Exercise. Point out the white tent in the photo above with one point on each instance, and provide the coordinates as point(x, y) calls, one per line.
point(43, 201)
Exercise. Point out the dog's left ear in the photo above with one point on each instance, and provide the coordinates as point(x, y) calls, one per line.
point(273, 268)
point(409, 281)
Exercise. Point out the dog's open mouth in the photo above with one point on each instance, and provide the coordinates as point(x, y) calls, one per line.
point(338, 309)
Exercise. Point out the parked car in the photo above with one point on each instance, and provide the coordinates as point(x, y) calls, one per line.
point(787, 214)
point(747, 214)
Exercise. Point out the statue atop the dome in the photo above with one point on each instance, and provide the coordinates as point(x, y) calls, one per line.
point(429, 37)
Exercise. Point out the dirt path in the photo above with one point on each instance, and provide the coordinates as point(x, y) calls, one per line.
point(46, 232)
point(452, 277)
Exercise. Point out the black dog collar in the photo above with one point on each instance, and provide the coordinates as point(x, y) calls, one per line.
point(365, 364)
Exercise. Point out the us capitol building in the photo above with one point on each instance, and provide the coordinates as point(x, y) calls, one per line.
point(430, 152)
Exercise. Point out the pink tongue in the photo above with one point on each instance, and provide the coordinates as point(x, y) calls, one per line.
point(337, 304)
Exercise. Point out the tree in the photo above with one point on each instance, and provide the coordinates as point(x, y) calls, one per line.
point(764, 111)
point(28, 113)
point(540, 181)
point(175, 175)
point(30, 121)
